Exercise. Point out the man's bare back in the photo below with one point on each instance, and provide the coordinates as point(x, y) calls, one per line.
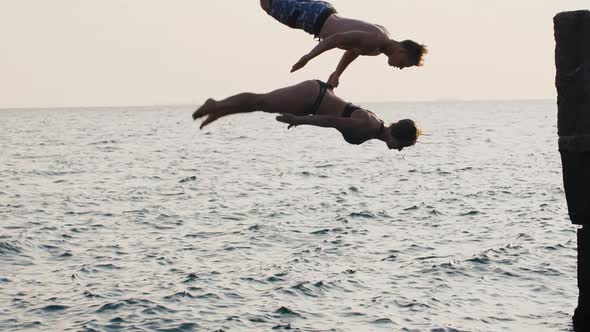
point(338, 24)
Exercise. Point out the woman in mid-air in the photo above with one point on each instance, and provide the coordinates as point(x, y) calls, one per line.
point(314, 103)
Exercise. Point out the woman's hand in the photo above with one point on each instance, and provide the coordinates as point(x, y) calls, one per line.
point(290, 119)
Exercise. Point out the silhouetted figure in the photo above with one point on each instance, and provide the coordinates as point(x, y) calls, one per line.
point(356, 37)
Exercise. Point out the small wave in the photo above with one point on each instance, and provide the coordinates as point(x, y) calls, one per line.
point(190, 278)
point(327, 231)
point(9, 248)
point(551, 272)
point(249, 279)
point(554, 247)
point(208, 296)
point(91, 295)
point(258, 319)
point(141, 303)
point(182, 328)
point(525, 237)
point(234, 248)
point(481, 259)
point(325, 166)
point(303, 289)
point(354, 314)
point(110, 307)
point(306, 173)
point(158, 310)
point(444, 329)
point(234, 296)
point(390, 258)
point(54, 308)
point(284, 311)
point(179, 295)
point(255, 228)
point(108, 266)
point(282, 327)
point(205, 235)
point(171, 194)
point(362, 214)
point(17, 206)
point(470, 213)
point(103, 142)
point(277, 277)
point(188, 179)
point(55, 173)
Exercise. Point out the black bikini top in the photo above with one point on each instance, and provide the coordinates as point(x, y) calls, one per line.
point(346, 113)
point(349, 136)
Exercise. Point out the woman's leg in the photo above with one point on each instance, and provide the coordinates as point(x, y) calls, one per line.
point(240, 103)
point(295, 99)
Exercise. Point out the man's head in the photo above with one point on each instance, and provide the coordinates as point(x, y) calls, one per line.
point(402, 134)
point(404, 54)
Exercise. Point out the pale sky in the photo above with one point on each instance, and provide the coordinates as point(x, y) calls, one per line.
point(145, 52)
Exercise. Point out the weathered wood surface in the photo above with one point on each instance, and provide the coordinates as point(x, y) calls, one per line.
point(572, 59)
point(582, 315)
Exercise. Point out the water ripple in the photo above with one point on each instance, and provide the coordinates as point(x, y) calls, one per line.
point(134, 220)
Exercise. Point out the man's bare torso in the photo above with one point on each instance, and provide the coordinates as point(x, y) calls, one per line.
point(337, 24)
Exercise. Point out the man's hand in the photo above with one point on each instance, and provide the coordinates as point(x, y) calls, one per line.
point(301, 63)
point(334, 80)
point(290, 119)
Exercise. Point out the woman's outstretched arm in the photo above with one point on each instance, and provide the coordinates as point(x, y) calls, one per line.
point(323, 121)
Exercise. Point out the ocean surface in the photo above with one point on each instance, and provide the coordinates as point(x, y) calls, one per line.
point(132, 219)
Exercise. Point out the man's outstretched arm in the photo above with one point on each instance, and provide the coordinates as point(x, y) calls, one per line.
point(346, 60)
point(346, 41)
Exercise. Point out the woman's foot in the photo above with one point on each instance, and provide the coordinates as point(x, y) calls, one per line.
point(209, 106)
point(212, 117)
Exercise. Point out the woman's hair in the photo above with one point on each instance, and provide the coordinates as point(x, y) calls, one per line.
point(415, 52)
point(405, 131)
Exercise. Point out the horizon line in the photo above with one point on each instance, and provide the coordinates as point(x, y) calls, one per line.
point(440, 100)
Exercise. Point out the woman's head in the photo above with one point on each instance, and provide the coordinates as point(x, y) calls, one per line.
point(402, 134)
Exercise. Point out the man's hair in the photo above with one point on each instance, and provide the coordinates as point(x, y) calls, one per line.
point(405, 131)
point(415, 52)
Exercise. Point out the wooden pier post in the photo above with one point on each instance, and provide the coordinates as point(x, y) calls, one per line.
point(572, 58)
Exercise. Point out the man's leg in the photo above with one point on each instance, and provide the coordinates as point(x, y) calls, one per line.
point(265, 4)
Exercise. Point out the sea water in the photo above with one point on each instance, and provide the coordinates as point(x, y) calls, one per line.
point(133, 219)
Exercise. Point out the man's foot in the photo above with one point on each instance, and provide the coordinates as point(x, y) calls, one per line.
point(209, 106)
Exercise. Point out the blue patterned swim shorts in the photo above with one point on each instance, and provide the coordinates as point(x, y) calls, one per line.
point(308, 15)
